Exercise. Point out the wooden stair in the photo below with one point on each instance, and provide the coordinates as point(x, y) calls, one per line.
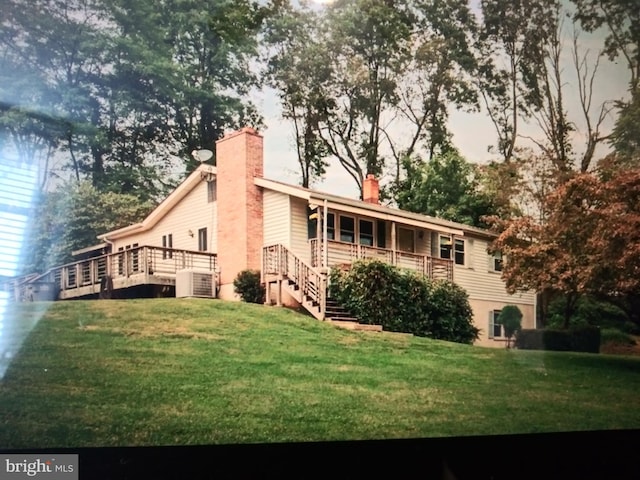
point(339, 316)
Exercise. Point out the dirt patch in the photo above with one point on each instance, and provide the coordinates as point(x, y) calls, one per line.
point(612, 348)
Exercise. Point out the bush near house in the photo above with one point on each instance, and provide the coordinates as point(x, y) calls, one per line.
point(249, 286)
point(576, 339)
point(511, 319)
point(403, 301)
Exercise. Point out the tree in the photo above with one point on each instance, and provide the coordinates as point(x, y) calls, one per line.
point(511, 320)
point(446, 187)
point(621, 20)
point(368, 41)
point(71, 217)
point(513, 32)
point(556, 254)
point(298, 67)
point(128, 84)
point(615, 239)
point(437, 76)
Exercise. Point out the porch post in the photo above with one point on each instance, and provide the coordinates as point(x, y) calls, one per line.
point(394, 247)
point(325, 247)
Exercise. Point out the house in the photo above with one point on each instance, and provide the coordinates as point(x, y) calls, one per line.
point(228, 218)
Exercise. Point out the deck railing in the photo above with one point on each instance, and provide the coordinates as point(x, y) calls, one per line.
point(342, 252)
point(144, 260)
point(279, 260)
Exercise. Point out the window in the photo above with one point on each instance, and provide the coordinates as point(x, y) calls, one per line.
point(167, 242)
point(347, 229)
point(497, 262)
point(202, 240)
point(381, 234)
point(366, 233)
point(445, 247)
point(331, 226)
point(406, 240)
point(459, 251)
point(211, 192)
point(495, 329)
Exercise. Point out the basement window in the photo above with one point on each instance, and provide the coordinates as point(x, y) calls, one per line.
point(495, 329)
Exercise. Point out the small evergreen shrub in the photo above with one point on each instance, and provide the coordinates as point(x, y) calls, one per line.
point(511, 320)
point(247, 284)
point(404, 301)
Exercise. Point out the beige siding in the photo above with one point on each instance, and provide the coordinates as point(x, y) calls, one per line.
point(299, 232)
point(276, 224)
point(188, 216)
point(479, 282)
point(423, 245)
point(481, 311)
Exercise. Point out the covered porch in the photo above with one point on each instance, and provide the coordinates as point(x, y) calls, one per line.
point(340, 236)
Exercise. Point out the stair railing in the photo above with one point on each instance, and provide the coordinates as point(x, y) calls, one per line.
point(279, 260)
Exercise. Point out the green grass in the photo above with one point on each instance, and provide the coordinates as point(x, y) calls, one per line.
point(170, 371)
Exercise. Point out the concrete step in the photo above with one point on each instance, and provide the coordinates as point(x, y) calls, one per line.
point(354, 325)
point(343, 319)
point(334, 312)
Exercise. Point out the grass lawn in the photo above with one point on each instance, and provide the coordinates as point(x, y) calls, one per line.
point(189, 371)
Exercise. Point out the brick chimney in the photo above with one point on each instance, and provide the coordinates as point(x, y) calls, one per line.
point(371, 189)
point(239, 158)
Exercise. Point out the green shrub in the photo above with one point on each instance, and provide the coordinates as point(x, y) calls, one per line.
point(248, 285)
point(577, 339)
point(511, 319)
point(613, 335)
point(403, 301)
point(588, 311)
point(450, 313)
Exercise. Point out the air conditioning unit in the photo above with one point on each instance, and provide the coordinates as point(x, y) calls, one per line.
point(193, 283)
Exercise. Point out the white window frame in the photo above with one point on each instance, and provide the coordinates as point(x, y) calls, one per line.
point(167, 242)
point(202, 243)
point(351, 232)
point(331, 225)
point(212, 191)
point(440, 244)
point(455, 251)
point(497, 256)
point(372, 235)
point(493, 317)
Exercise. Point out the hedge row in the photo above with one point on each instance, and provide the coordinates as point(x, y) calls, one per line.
point(578, 339)
point(403, 301)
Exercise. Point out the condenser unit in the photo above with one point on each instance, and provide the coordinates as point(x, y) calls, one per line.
point(192, 283)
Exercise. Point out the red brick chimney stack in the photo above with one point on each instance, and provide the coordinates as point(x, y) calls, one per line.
point(371, 189)
point(239, 158)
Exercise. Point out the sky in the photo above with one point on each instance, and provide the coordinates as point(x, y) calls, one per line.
point(473, 133)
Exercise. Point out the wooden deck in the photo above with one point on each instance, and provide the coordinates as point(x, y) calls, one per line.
point(144, 265)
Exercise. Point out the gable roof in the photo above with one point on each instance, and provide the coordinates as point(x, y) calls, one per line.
point(203, 171)
point(315, 197)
